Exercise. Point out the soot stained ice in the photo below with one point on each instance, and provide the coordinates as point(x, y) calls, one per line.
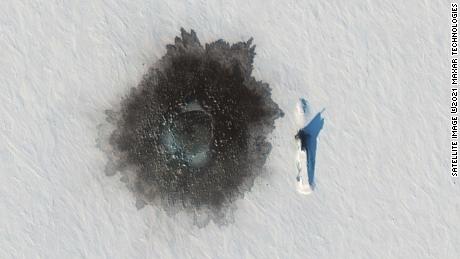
point(193, 134)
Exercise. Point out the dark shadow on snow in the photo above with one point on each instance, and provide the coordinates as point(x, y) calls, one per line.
point(309, 136)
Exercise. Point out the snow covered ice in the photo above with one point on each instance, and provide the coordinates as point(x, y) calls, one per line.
point(380, 69)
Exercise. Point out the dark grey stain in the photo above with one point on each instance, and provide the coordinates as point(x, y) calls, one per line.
point(193, 134)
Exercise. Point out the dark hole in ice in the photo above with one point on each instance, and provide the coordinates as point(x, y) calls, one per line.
point(193, 134)
point(188, 136)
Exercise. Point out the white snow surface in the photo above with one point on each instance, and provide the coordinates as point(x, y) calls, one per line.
point(379, 68)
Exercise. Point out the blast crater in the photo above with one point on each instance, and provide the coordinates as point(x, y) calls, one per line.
point(193, 134)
